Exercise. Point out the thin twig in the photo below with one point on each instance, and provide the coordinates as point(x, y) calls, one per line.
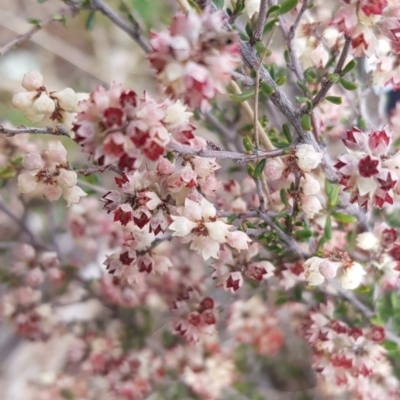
point(59, 130)
point(133, 32)
point(262, 16)
point(27, 35)
point(230, 155)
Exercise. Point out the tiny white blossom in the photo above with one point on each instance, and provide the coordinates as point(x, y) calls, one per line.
point(310, 185)
point(367, 241)
point(352, 277)
point(308, 158)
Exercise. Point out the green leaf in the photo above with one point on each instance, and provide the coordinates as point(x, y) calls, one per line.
point(90, 20)
point(306, 122)
point(347, 84)
point(267, 89)
point(285, 7)
point(219, 3)
point(334, 99)
point(247, 144)
point(328, 228)
point(259, 168)
point(302, 86)
point(303, 234)
point(282, 195)
point(286, 56)
point(301, 99)
point(7, 172)
point(333, 78)
point(281, 80)
point(391, 347)
point(249, 29)
point(260, 47)
point(350, 65)
point(344, 218)
point(270, 25)
point(250, 170)
point(242, 96)
point(231, 218)
point(333, 196)
point(35, 21)
point(273, 9)
point(286, 132)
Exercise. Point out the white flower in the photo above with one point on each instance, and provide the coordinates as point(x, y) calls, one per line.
point(329, 269)
point(67, 179)
point(351, 277)
point(67, 99)
point(182, 226)
point(43, 104)
point(177, 114)
point(251, 7)
point(56, 152)
point(310, 205)
point(73, 195)
point(23, 101)
point(310, 185)
point(32, 81)
point(52, 192)
point(32, 161)
point(238, 240)
point(367, 241)
point(273, 169)
point(26, 183)
point(312, 273)
point(308, 158)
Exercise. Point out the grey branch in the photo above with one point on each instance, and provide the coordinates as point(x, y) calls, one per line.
point(59, 130)
point(262, 16)
point(230, 155)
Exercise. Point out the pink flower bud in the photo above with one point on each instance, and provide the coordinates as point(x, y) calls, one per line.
point(26, 183)
point(44, 104)
point(67, 100)
point(49, 259)
point(311, 205)
point(23, 101)
point(56, 152)
point(73, 195)
point(35, 277)
point(32, 81)
point(24, 252)
point(52, 192)
point(238, 240)
point(67, 179)
point(308, 158)
point(32, 161)
point(273, 169)
point(310, 185)
point(328, 269)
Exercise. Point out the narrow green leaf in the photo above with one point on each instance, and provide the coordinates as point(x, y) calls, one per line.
point(333, 196)
point(333, 77)
point(242, 96)
point(247, 144)
point(286, 132)
point(273, 9)
point(286, 56)
point(306, 122)
point(249, 29)
point(250, 170)
point(303, 234)
point(231, 218)
point(270, 25)
point(285, 7)
point(35, 21)
point(347, 84)
point(301, 99)
point(282, 195)
point(328, 228)
point(302, 86)
point(267, 89)
point(343, 218)
point(259, 168)
point(334, 99)
point(350, 65)
point(260, 47)
point(91, 20)
point(281, 80)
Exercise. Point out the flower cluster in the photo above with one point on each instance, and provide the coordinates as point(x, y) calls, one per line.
point(349, 359)
point(195, 59)
point(350, 274)
point(34, 268)
point(368, 171)
point(232, 266)
point(37, 102)
point(117, 125)
point(50, 175)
